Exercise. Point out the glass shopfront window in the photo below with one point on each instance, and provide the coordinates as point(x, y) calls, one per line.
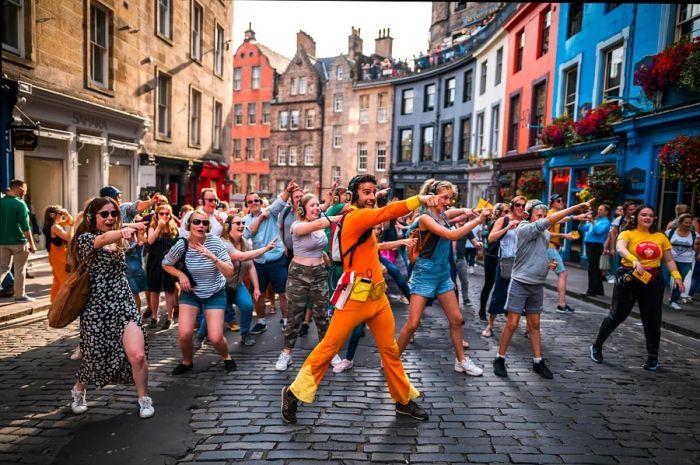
point(559, 183)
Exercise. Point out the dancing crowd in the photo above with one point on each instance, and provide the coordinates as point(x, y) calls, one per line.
point(325, 256)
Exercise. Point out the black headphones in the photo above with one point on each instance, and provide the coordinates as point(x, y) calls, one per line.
point(301, 211)
point(351, 194)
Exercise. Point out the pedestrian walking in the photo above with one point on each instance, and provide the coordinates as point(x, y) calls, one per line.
point(595, 234)
point(58, 230)
point(162, 235)
point(491, 250)
point(16, 239)
point(112, 339)
point(685, 246)
point(641, 248)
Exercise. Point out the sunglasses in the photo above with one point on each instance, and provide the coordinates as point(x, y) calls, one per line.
point(163, 214)
point(254, 201)
point(211, 200)
point(559, 200)
point(516, 205)
point(237, 223)
point(106, 214)
point(197, 222)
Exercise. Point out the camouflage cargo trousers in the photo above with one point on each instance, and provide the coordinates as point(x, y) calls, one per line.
point(306, 286)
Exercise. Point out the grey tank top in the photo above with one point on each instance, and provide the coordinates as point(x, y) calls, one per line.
point(309, 245)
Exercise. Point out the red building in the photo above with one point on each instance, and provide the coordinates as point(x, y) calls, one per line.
point(532, 33)
point(255, 72)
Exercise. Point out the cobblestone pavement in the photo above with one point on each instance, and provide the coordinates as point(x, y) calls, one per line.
point(615, 413)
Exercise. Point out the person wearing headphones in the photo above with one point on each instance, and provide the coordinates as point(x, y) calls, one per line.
point(526, 289)
point(490, 256)
point(203, 280)
point(210, 202)
point(307, 280)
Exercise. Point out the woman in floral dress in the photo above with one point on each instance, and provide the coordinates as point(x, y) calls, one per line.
point(112, 340)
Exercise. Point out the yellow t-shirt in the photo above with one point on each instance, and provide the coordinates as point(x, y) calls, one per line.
point(554, 242)
point(648, 248)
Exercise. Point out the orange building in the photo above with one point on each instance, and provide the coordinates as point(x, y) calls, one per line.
point(255, 71)
point(532, 33)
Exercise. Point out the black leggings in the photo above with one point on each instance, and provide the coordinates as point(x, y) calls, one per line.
point(490, 264)
point(650, 298)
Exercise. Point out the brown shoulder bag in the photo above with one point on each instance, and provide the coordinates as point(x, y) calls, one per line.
point(72, 296)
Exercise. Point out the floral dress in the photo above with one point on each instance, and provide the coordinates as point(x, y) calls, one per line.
point(110, 307)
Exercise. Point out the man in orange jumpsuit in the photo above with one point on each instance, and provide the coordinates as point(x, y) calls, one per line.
point(367, 302)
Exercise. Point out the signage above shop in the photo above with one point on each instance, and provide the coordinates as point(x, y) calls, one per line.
point(635, 181)
point(561, 179)
point(83, 119)
point(24, 138)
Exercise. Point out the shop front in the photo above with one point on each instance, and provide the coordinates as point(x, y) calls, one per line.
point(481, 185)
point(513, 167)
point(406, 184)
point(215, 175)
point(173, 176)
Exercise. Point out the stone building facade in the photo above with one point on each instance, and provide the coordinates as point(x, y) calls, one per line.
point(449, 20)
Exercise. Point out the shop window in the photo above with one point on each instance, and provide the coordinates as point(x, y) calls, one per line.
point(406, 153)
point(217, 119)
point(195, 116)
point(219, 50)
point(380, 156)
point(465, 139)
point(255, 77)
point(100, 46)
point(196, 32)
point(484, 73)
point(559, 183)
point(426, 142)
point(468, 86)
point(612, 79)
point(237, 73)
point(688, 21)
point(499, 66)
point(447, 141)
point(545, 24)
point(570, 91)
point(362, 156)
point(450, 91)
point(538, 112)
point(13, 25)
point(575, 20)
point(407, 102)
point(164, 28)
point(581, 179)
point(163, 113)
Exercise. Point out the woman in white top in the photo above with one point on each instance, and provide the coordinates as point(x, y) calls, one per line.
point(685, 246)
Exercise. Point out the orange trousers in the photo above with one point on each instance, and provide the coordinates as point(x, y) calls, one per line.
point(380, 319)
point(57, 260)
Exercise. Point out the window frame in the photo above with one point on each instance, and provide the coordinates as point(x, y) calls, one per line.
point(483, 76)
point(608, 51)
point(535, 134)
point(566, 93)
point(462, 154)
point(266, 113)
point(339, 73)
point(196, 36)
point(514, 121)
point(255, 76)
point(217, 118)
point(292, 125)
point(309, 155)
point(167, 37)
point(309, 118)
point(283, 118)
point(21, 19)
point(679, 24)
point(335, 173)
point(302, 86)
point(237, 148)
point(401, 147)
point(168, 109)
point(423, 129)
point(498, 78)
point(468, 85)
point(107, 49)
point(574, 24)
point(237, 81)
point(381, 108)
point(265, 149)
point(363, 115)
point(495, 129)
point(444, 143)
point(362, 154)
point(405, 99)
point(337, 103)
point(544, 31)
point(429, 97)
point(250, 154)
point(253, 113)
point(219, 34)
point(281, 155)
point(479, 146)
point(336, 136)
point(292, 156)
point(195, 129)
point(380, 154)
point(450, 92)
point(238, 115)
point(519, 50)
point(293, 86)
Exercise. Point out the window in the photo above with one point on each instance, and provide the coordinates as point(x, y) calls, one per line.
point(381, 108)
point(460, 6)
point(406, 154)
point(429, 97)
point(499, 66)
point(407, 102)
point(236, 178)
point(479, 134)
point(468, 86)
point(573, 26)
point(495, 128)
point(255, 77)
point(465, 139)
point(250, 182)
point(302, 86)
point(545, 24)
point(219, 51)
point(13, 26)
point(362, 156)
point(264, 182)
point(482, 79)
point(281, 155)
point(293, 155)
point(338, 103)
point(99, 46)
point(195, 116)
point(249, 149)
point(217, 121)
point(380, 156)
point(237, 74)
point(688, 22)
point(283, 119)
point(447, 139)
point(539, 97)
point(264, 149)
point(310, 116)
point(266, 113)
point(165, 18)
point(293, 86)
point(450, 91)
point(612, 80)
point(308, 155)
point(196, 32)
point(339, 73)
point(570, 84)
point(238, 114)
point(164, 105)
point(364, 109)
point(236, 149)
point(519, 48)
point(335, 173)
point(337, 138)
point(611, 6)
point(252, 108)
point(514, 122)
point(294, 120)
point(426, 143)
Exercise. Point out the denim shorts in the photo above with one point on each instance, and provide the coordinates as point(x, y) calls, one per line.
point(135, 273)
point(554, 254)
point(430, 279)
point(215, 302)
point(275, 273)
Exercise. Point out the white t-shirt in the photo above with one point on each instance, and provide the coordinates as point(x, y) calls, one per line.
point(216, 227)
point(682, 247)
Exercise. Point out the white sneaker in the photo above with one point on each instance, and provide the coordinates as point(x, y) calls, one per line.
point(76, 355)
point(336, 360)
point(284, 361)
point(611, 280)
point(468, 367)
point(79, 404)
point(146, 409)
point(471, 270)
point(342, 366)
point(675, 306)
point(404, 300)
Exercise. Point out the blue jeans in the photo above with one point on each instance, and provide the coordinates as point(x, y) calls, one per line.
point(241, 297)
point(396, 274)
point(470, 255)
point(8, 284)
point(500, 294)
point(683, 269)
point(696, 279)
point(354, 341)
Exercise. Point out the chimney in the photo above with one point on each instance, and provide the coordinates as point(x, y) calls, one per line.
point(354, 43)
point(383, 44)
point(306, 42)
point(250, 33)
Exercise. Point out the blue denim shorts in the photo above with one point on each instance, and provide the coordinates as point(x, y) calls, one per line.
point(135, 273)
point(430, 279)
point(554, 254)
point(215, 302)
point(274, 272)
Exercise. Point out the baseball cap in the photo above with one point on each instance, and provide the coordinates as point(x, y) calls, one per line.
point(110, 191)
point(554, 198)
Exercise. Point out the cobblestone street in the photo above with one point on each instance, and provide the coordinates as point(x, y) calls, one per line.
point(593, 414)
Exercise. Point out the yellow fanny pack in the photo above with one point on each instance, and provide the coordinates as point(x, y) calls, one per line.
point(363, 289)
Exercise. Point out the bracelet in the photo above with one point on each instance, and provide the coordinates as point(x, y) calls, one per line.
point(675, 274)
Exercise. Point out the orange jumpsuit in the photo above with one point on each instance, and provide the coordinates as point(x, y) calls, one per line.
point(57, 260)
point(376, 313)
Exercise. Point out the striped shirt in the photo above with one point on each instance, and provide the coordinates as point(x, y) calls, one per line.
point(208, 278)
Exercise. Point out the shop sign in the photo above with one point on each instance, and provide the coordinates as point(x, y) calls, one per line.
point(635, 181)
point(83, 119)
point(24, 138)
point(561, 179)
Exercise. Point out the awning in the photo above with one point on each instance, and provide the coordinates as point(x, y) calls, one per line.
point(91, 140)
point(119, 144)
point(55, 134)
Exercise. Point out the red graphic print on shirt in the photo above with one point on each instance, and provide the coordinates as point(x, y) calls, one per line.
point(648, 250)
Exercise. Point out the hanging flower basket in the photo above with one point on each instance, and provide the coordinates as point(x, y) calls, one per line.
point(604, 186)
point(531, 186)
point(680, 159)
point(560, 133)
point(678, 65)
point(597, 123)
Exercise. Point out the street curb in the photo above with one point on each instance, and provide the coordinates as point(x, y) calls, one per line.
point(606, 305)
point(40, 307)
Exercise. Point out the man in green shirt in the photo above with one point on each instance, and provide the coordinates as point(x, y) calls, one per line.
point(16, 240)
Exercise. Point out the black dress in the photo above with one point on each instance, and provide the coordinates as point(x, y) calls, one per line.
point(158, 279)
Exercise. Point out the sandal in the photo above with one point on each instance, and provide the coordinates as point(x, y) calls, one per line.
point(487, 332)
point(465, 344)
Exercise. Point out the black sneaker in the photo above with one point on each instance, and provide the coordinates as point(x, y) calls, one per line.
point(289, 406)
point(153, 324)
point(283, 325)
point(304, 330)
point(230, 365)
point(482, 315)
point(542, 370)
point(258, 328)
point(565, 309)
point(596, 354)
point(182, 369)
point(412, 410)
point(248, 340)
point(652, 363)
point(499, 367)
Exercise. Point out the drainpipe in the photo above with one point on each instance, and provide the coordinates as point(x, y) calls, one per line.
point(630, 51)
point(438, 102)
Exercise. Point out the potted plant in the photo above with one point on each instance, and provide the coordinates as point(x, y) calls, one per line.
point(604, 186)
point(677, 66)
point(531, 185)
point(597, 122)
point(560, 133)
point(680, 159)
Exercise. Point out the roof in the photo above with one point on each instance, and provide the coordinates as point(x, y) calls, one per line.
point(277, 61)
